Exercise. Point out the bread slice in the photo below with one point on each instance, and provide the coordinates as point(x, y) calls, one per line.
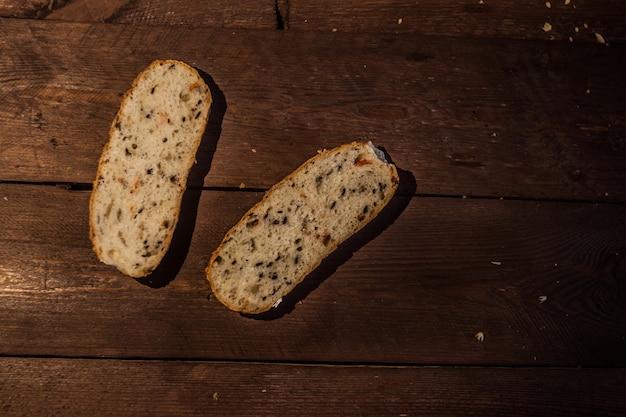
point(298, 223)
point(143, 169)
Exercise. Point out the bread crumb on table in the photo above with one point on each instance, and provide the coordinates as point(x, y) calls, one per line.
point(547, 27)
point(480, 336)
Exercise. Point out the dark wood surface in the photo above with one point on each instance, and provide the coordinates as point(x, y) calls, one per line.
point(493, 284)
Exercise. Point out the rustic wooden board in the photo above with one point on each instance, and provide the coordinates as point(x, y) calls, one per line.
point(540, 120)
point(414, 288)
point(148, 388)
point(522, 19)
point(88, 10)
point(257, 14)
point(574, 21)
point(29, 8)
point(444, 306)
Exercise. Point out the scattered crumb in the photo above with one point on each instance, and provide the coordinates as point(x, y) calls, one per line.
point(498, 263)
point(253, 150)
point(576, 29)
point(547, 27)
point(6, 198)
point(571, 39)
point(480, 336)
point(280, 300)
point(216, 396)
point(242, 185)
point(400, 21)
point(548, 5)
point(481, 2)
point(588, 91)
point(264, 391)
point(600, 38)
point(542, 299)
point(567, 2)
point(586, 26)
point(334, 29)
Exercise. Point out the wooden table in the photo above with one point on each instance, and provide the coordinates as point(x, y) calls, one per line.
point(494, 284)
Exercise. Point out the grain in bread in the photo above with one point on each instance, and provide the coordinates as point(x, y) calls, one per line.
point(143, 169)
point(298, 223)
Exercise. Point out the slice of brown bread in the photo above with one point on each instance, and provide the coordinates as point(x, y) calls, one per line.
point(143, 169)
point(298, 223)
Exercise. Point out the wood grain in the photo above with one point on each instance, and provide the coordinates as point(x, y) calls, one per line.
point(28, 9)
point(453, 302)
point(539, 120)
point(148, 388)
point(258, 14)
point(415, 287)
point(578, 21)
point(88, 10)
point(518, 19)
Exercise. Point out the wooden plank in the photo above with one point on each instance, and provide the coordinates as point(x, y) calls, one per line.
point(258, 14)
point(28, 9)
point(544, 283)
point(148, 388)
point(88, 10)
point(466, 117)
point(578, 21)
point(521, 19)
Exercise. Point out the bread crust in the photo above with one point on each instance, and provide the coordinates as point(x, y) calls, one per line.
point(390, 175)
point(189, 144)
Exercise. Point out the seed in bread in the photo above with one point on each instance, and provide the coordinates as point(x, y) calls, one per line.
point(298, 223)
point(143, 169)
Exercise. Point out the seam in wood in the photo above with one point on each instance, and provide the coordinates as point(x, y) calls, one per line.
point(281, 7)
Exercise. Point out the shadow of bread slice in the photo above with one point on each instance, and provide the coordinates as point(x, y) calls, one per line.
point(298, 223)
point(143, 169)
